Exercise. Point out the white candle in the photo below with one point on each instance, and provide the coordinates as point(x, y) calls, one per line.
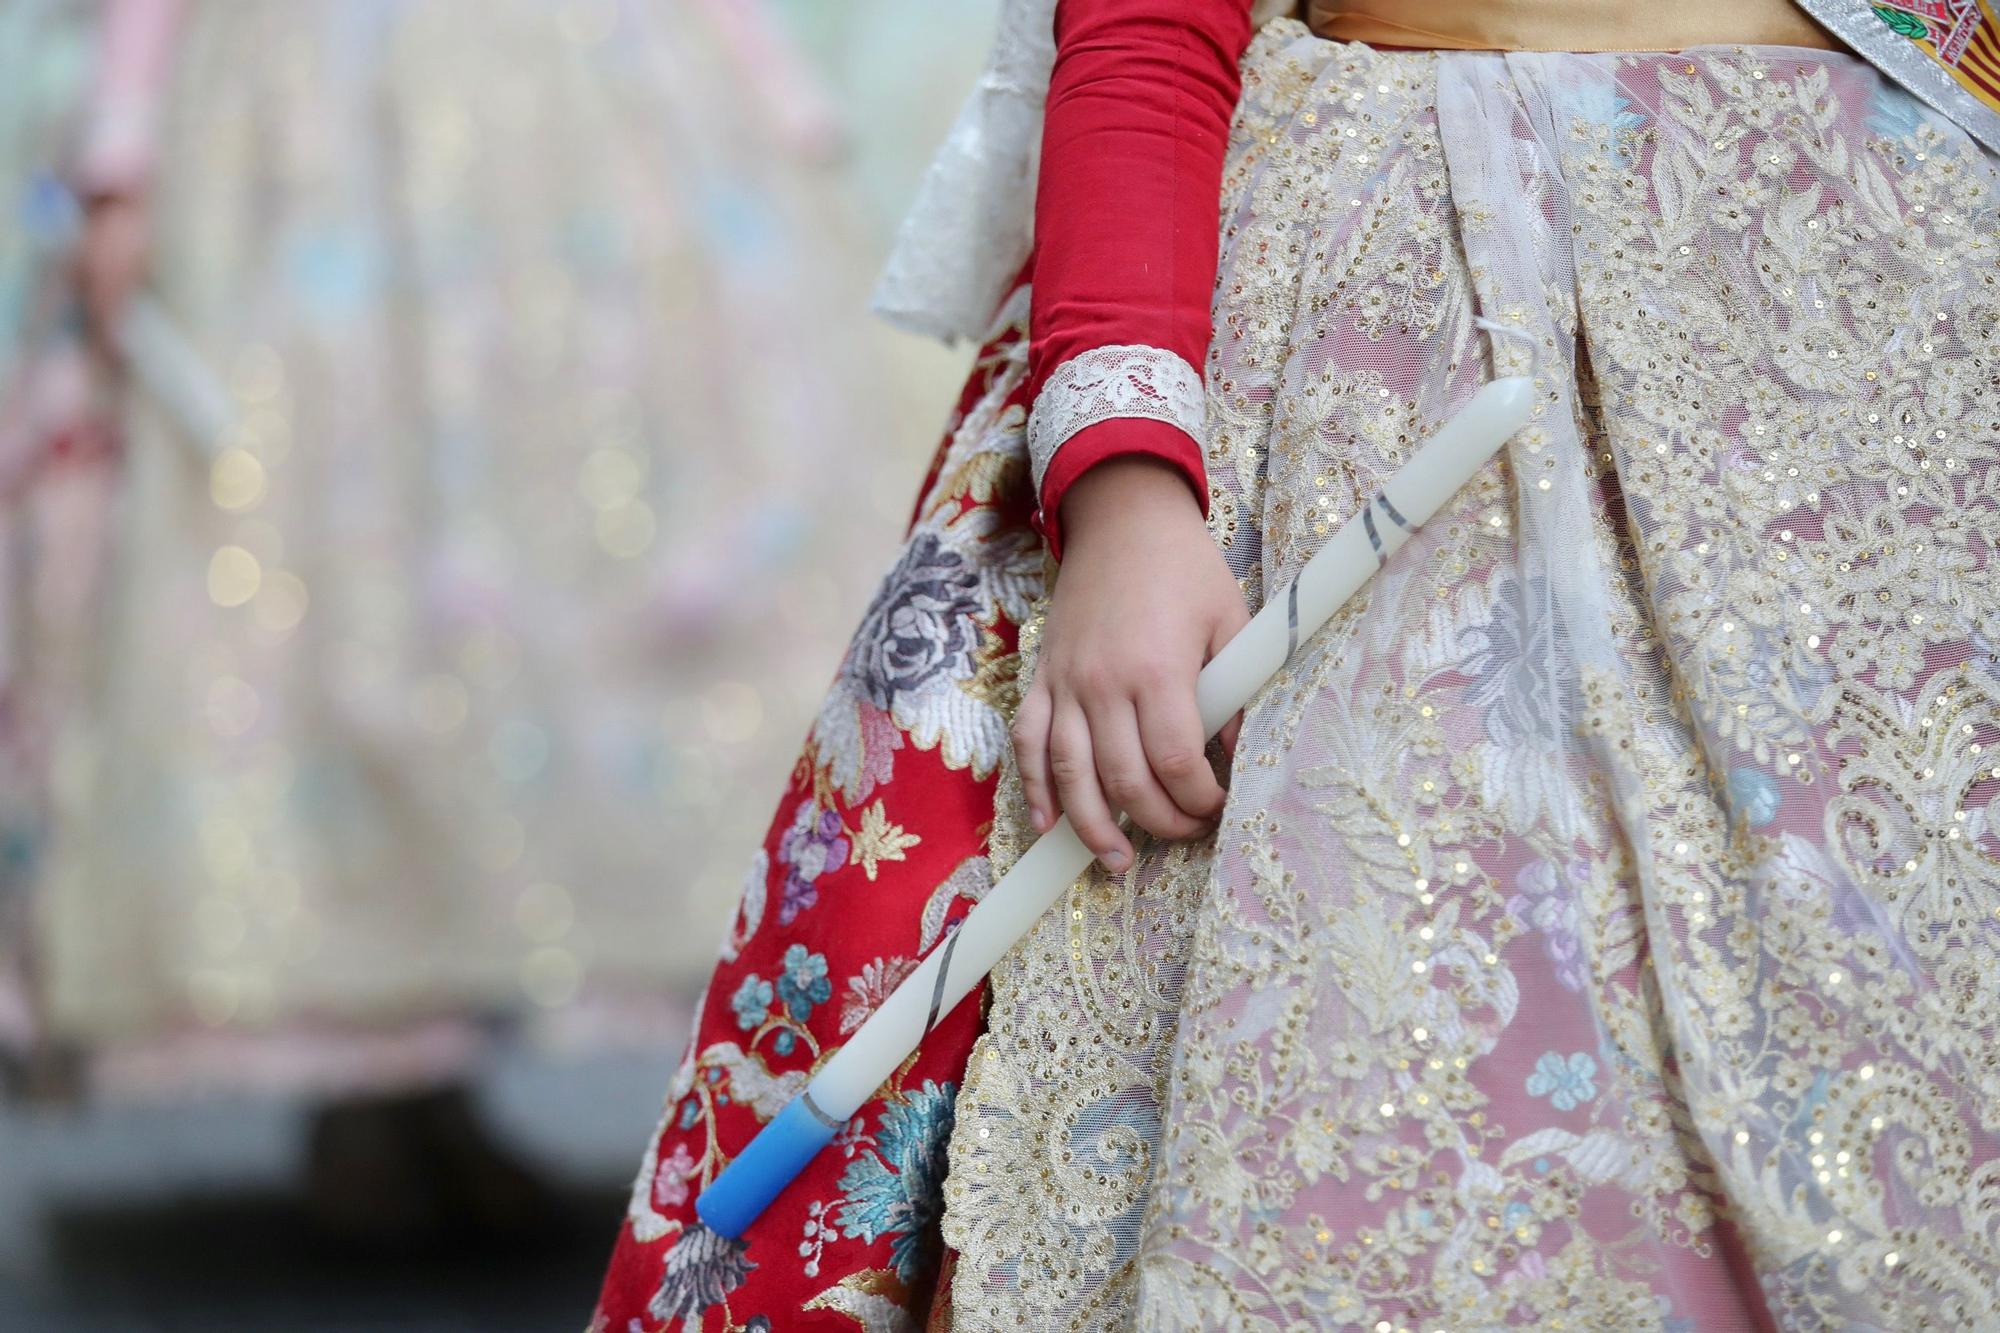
point(1010, 908)
point(162, 360)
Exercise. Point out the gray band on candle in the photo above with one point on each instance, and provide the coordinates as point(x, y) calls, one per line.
point(1291, 619)
point(1382, 498)
point(937, 987)
point(812, 1107)
point(1374, 537)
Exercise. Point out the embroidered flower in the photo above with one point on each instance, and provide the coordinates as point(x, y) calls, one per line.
point(1753, 793)
point(751, 1002)
point(1898, 658)
point(920, 626)
point(805, 982)
point(1508, 655)
point(1599, 106)
point(1548, 903)
point(701, 1270)
point(897, 1190)
point(1567, 1083)
point(867, 989)
point(670, 1182)
point(815, 844)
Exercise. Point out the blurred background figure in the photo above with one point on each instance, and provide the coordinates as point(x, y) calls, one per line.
point(415, 420)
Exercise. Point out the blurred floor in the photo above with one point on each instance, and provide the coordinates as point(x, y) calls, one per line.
point(164, 1220)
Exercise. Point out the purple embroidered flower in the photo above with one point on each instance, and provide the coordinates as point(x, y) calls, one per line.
point(814, 844)
point(1548, 904)
point(921, 624)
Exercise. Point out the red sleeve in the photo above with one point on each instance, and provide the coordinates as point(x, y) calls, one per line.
point(1126, 208)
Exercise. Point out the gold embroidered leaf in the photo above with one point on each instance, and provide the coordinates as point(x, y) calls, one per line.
point(875, 1299)
point(879, 840)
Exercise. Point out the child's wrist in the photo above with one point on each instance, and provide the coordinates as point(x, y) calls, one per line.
point(1134, 491)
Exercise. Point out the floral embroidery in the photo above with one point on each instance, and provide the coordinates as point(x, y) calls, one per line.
point(815, 844)
point(670, 1183)
point(920, 625)
point(1754, 793)
point(1549, 903)
point(751, 1002)
point(895, 1189)
point(870, 986)
point(925, 762)
point(1566, 1082)
point(804, 983)
point(928, 666)
point(700, 1271)
point(1623, 857)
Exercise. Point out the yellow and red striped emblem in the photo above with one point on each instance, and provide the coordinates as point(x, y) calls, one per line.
point(1962, 36)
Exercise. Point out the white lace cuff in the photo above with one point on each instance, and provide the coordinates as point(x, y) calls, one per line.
point(1105, 383)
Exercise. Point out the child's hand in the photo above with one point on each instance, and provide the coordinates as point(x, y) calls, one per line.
point(1143, 600)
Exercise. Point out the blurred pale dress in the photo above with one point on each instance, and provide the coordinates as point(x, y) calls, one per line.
point(51, 480)
point(422, 694)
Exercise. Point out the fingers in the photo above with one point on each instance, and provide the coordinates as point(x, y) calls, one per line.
point(1230, 731)
point(1170, 728)
point(1231, 617)
point(1073, 766)
point(1031, 754)
point(1127, 775)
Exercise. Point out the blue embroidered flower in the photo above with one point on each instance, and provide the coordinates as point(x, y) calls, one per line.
point(1597, 104)
point(897, 1190)
point(805, 982)
point(1565, 1082)
point(751, 1002)
point(1755, 793)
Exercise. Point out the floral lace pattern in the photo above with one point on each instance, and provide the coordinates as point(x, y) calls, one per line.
point(1105, 383)
point(1603, 928)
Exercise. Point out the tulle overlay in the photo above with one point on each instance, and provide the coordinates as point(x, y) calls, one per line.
point(1604, 931)
point(877, 849)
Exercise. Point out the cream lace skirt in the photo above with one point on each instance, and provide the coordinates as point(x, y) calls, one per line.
point(1604, 932)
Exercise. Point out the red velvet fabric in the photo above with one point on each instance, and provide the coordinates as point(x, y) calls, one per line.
point(1125, 212)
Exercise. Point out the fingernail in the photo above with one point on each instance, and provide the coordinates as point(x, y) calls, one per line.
point(1040, 819)
point(1117, 861)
